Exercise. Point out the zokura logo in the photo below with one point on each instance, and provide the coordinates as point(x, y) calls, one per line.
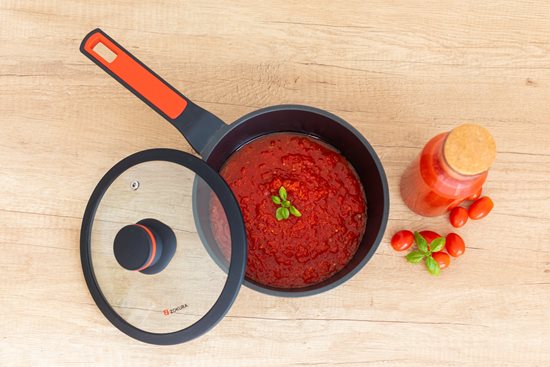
point(169, 311)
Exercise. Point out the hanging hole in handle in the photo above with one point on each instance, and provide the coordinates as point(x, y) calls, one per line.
point(105, 52)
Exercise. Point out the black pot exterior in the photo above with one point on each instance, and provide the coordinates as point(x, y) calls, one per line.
point(215, 142)
point(331, 129)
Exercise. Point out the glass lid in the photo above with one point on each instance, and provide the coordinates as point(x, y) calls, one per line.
point(163, 246)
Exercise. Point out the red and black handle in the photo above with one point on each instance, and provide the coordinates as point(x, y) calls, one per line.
point(195, 123)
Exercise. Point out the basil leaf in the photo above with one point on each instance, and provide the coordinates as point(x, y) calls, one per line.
point(420, 242)
point(432, 265)
point(437, 244)
point(295, 212)
point(286, 204)
point(282, 193)
point(276, 200)
point(286, 213)
point(415, 257)
point(279, 214)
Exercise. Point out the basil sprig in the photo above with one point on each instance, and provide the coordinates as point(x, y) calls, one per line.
point(425, 252)
point(285, 208)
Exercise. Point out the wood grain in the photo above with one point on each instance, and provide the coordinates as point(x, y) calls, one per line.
point(400, 71)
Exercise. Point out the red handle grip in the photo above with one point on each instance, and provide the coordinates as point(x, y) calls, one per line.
point(134, 75)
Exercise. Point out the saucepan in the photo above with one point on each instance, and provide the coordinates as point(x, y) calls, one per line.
point(215, 141)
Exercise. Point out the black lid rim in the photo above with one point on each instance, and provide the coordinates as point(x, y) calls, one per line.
point(236, 272)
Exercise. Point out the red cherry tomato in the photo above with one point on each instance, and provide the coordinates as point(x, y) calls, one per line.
point(442, 259)
point(429, 236)
point(475, 196)
point(480, 208)
point(458, 216)
point(454, 244)
point(402, 240)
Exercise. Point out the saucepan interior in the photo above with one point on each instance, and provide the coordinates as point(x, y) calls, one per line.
point(330, 129)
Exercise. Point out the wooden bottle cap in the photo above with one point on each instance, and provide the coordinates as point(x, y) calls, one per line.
point(469, 149)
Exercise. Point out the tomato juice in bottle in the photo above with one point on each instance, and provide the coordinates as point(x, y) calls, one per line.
point(451, 167)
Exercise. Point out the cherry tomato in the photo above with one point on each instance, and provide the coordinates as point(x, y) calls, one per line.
point(480, 208)
point(402, 240)
point(454, 244)
point(458, 216)
point(442, 259)
point(475, 196)
point(429, 236)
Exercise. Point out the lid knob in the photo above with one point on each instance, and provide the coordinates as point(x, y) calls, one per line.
point(147, 246)
point(137, 247)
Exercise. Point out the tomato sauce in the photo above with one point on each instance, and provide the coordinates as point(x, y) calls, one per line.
point(430, 187)
point(320, 183)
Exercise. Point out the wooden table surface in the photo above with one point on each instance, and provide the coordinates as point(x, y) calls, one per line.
point(400, 71)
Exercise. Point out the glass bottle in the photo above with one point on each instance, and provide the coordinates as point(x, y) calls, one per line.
point(451, 167)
